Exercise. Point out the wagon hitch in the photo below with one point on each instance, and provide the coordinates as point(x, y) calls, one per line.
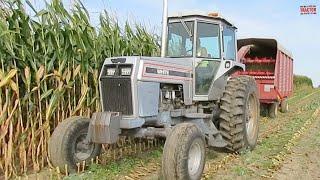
point(104, 128)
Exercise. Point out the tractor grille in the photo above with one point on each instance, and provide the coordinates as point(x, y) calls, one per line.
point(117, 95)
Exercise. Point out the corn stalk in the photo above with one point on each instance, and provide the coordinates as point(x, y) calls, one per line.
point(49, 71)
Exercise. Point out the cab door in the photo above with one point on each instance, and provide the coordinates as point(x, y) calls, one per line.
point(208, 53)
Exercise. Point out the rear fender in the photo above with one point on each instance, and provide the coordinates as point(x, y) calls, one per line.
point(226, 69)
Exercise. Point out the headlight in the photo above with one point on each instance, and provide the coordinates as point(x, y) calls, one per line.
point(111, 71)
point(125, 71)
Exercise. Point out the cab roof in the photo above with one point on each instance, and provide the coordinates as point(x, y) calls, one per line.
point(214, 16)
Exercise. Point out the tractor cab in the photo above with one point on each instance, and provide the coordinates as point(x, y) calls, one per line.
point(210, 41)
point(201, 36)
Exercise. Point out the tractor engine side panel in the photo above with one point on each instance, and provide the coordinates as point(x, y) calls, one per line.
point(148, 98)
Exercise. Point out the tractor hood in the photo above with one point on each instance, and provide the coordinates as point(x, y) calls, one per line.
point(136, 59)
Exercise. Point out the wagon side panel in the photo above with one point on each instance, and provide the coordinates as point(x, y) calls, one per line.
point(284, 75)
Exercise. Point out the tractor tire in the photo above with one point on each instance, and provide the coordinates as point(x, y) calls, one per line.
point(68, 146)
point(183, 153)
point(240, 113)
point(284, 106)
point(273, 110)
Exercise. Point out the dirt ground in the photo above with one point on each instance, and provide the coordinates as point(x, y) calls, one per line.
point(304, 162)
point(271, 159)
point(288, 148)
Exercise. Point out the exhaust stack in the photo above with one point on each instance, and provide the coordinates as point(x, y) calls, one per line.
point(164, 28)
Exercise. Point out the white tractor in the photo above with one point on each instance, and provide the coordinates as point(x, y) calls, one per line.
point(191, 96)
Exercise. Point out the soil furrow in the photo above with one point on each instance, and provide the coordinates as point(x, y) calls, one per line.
point(244, 165)
point(218, 161)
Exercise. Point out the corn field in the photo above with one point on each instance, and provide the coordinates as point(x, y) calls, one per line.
point(49, 71)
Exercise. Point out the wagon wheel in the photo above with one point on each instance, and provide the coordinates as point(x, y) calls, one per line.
point(273, 110)
point(284, 106)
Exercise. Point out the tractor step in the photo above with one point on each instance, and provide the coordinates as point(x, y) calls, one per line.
point(197, 116)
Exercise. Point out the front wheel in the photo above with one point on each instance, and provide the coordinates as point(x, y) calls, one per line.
point(184, 153)
point(68, 144)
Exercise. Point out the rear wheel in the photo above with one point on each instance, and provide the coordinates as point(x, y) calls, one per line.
point(284, 106)
point(184, 153)
point(240, 112)
point(273, 110)
point(68, 144)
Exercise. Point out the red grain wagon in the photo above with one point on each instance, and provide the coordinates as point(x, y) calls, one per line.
point(272, 67)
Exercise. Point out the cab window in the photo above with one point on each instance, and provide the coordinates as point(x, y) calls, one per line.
point(180, 39)
point(208, 41)
point(229, 44)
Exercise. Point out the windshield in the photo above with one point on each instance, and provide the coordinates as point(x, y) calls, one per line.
point(180, 39)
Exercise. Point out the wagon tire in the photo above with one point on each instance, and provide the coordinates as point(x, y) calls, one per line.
point(284, 106)
point(183, 153)
point(240, 113)
point(68, 146)
point(273, 110)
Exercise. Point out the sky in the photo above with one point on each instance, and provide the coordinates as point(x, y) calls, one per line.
point(300, 34)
